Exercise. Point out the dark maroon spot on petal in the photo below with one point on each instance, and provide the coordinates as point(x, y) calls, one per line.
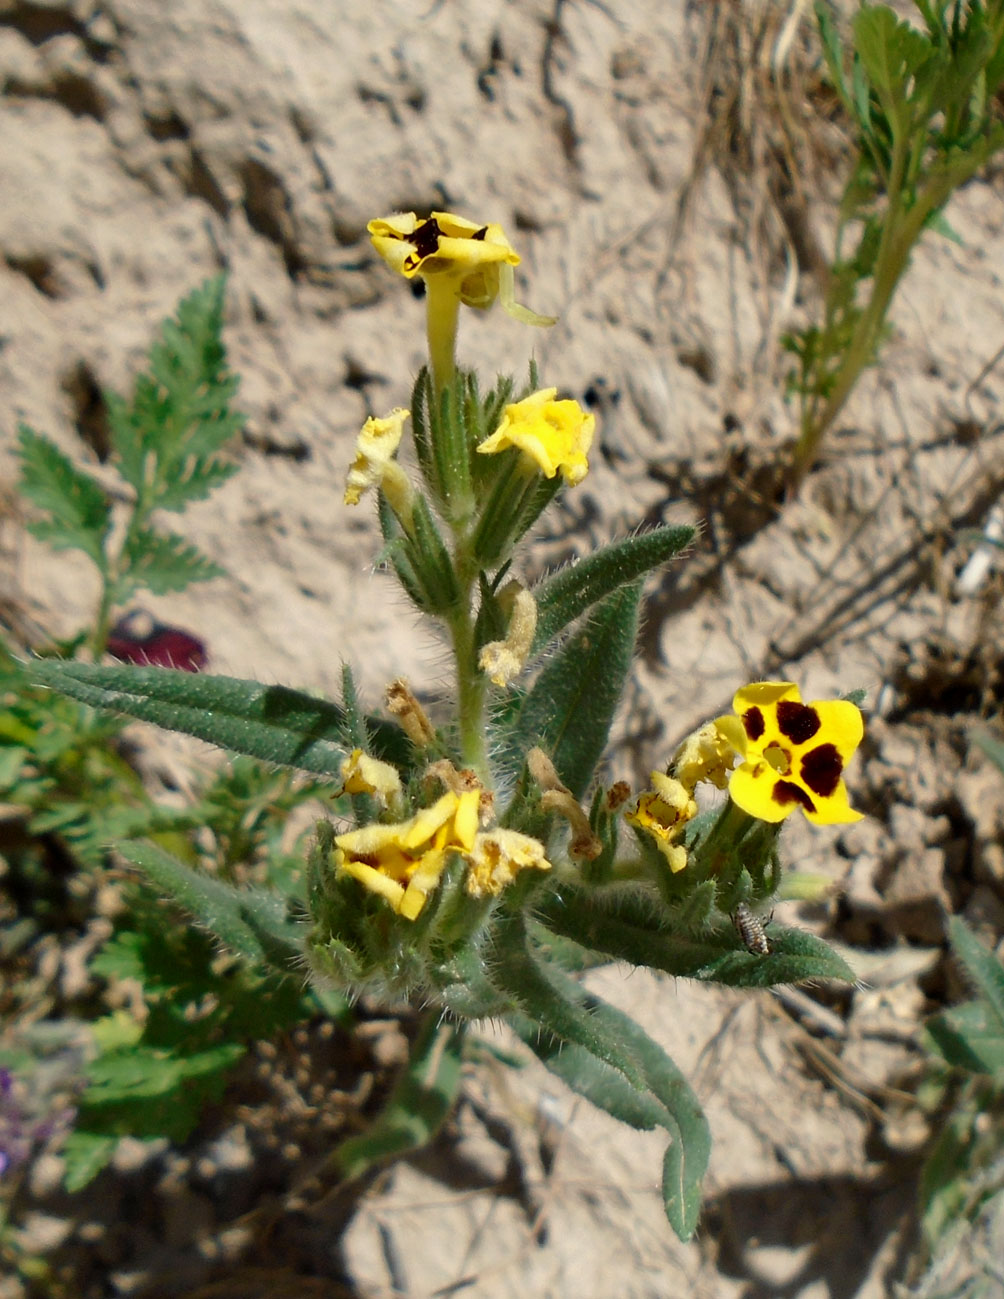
point(798, 722)
point(161, 647)
point(480, 234)
point(426, 238)
point(786, 791)
point(822, 769)
point(753, 723)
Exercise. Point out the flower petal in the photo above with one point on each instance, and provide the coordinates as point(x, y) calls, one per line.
point(752, 788)
point(835, 810)
point(555, 435)
point(842, 724)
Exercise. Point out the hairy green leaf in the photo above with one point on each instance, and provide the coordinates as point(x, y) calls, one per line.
point(715, 958)
point(272, 723)
point(251, 922)
point(668, 1103)
point(78, 513)
point(564, 595)
point(552, 1001)
point(571, 706)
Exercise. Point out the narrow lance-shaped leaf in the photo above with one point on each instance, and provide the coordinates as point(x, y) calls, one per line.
point(564, 595)
point(77, 508)
point(571, 706)
point(250, 922)
point(716, 958)
point(272, 723)
point(668, 1103)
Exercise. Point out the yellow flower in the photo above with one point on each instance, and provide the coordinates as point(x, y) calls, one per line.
point(375, 466)
point(553, 434)
point(704, 755)
point(446, 245)
point(794, 754)
point(496, 858)
point(662, 812)
point(362, 774)
point(404, 862)
point(461, 263)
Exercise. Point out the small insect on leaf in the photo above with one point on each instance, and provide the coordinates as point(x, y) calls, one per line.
point(750, 929)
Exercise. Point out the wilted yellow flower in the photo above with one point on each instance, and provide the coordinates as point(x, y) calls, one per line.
point(662, 812)
point(552, 434)
point(504, 660)
point(496, 858)
point(362, 774)
point(794, 754)
point(404, 862)
point(704, 755)
point(375, 466)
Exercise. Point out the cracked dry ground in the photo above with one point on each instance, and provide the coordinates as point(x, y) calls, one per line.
point(660, 213)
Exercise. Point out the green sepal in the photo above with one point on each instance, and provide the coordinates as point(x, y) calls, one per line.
point(564, 595)
point(78, 511)
point(430, 561)
point(491, 623)
point(665, 1101)
point(571, 706)
point(626, 931)
point(364, 806)
point(606, 826)
point(418, 1106)
point(452, 450)
point(421, 403)
point(502, 504)
point(693, 915)
point(252, 922)
point(272, 723)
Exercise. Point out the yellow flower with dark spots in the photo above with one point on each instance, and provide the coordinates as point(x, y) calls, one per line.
point(404, 862)
point(793, 754)
point(445, 245)
point(552, 435)
point(461, 262)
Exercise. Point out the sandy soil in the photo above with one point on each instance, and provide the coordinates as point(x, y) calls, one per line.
point(636, 157)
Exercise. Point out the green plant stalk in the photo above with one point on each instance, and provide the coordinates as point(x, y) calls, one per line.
point(470, 696)
point(471, 681)
point(111, 578)
point(900, 232)
point(894, 251)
